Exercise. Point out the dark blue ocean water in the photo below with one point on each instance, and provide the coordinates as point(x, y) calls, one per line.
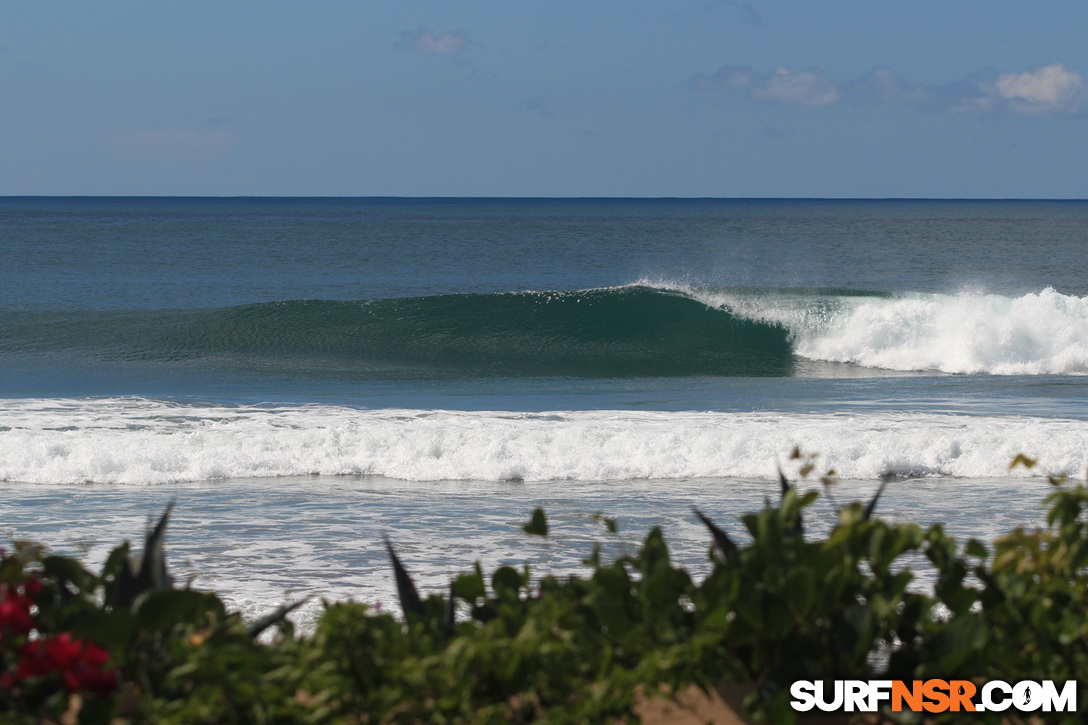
point(541, 304)
point(308, 374)
point(146, 253)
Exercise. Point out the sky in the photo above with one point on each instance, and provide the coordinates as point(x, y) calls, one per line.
point(707, 98)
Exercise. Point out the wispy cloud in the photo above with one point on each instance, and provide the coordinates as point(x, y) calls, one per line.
point(749, 14)
point(776, 131)
point(176, 144)
point(748, 11)
point(423, 40)
point(805, 87)
point(534, 105)
point(783, 85)
point(1041, 91)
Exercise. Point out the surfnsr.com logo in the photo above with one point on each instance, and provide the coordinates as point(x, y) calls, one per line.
point(934, 696)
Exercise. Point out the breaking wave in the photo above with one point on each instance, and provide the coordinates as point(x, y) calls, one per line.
point(644, 329)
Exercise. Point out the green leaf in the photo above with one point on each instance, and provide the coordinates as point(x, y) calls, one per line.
point(609, 523)
point(161, 609)
point(274, 617)
point(96, 711)
point(506, 579)
point(115, 560)
point(470, 587)
point(410, 602)
point(68, 570)
point(538, 525)
point(1022, 460)
point(113, 629)
point(958, 640)
point(976, 548)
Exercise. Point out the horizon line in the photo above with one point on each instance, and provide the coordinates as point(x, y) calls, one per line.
point(535, 198)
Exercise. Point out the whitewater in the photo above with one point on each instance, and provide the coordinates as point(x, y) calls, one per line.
point(1038, 333)
point(142, 442)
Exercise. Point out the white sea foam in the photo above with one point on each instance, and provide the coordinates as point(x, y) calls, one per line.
point(262, 542)
point(1034, 334)
point(136, 441)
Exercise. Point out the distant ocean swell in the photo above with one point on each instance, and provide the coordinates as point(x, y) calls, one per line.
point(643, 329)
point(139, 441)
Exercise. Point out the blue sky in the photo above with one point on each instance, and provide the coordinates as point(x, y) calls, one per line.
point(592, 98)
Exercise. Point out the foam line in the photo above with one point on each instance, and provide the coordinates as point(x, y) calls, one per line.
point(136, 441)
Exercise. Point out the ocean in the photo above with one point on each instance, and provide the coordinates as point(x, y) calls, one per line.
point(305, 376)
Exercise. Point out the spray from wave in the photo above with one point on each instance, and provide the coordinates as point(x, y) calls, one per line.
point(1041, 333)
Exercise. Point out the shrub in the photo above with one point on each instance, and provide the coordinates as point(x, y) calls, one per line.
point(124, 645)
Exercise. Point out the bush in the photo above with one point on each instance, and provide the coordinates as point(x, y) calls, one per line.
point(125, 646)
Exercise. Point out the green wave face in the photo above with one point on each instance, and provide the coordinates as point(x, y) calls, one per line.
point(623, 332)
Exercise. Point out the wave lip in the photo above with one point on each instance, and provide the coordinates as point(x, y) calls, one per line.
point(1035, 334)
point(1039, 333)
point(135, 441)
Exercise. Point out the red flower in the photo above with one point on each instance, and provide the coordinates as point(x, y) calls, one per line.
point(32, 586)
point(98, 682)
point(15, 612)
point(81, 664)
point(32, 661)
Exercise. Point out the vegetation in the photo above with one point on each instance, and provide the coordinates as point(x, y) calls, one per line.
point(125, 646)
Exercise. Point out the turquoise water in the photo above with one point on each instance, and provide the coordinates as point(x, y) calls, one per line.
point(340, 300)
point(586, 353)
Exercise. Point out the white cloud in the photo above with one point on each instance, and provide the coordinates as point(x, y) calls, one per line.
point(422, 40)
point(1048, 84)
point(804, 87)
point(728, 77)
point(176, 144)
point(1045, 90)
point(883, 85)
point(784, 85)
